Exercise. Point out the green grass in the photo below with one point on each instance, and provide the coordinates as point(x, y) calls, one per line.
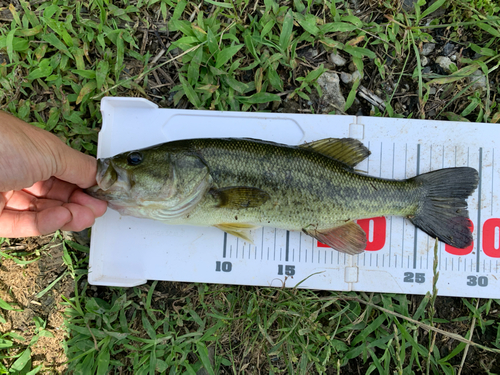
point(60, 58)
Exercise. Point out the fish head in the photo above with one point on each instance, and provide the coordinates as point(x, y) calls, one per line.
point(156, 182)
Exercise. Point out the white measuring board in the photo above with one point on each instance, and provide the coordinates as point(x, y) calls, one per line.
point(127, 251)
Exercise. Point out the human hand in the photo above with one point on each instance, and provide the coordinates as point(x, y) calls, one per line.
point(41, 182)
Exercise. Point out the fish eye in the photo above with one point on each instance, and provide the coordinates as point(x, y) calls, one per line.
point(134, 158)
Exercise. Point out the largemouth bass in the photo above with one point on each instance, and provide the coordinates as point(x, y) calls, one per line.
point(240, 184)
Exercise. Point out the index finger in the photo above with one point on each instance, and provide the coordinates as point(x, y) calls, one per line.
point(75, 167)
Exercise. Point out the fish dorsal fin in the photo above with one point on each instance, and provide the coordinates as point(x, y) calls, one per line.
point(237, 197)
point(348, 238)
point(240, 230)
point(349, 151)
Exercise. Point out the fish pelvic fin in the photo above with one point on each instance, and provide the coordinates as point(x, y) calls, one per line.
point(348, 238)
point(443, 212)
point(240, 230)
point(349, 151)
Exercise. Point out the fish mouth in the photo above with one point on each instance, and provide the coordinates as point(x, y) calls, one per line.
point(106, 176)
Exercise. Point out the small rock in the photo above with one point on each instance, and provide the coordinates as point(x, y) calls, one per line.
point(309, 53)
point(426, 70)
point(352, 67)
point(432, 91)
point(356, 76)
point(354, 4)
point(448, 49)
point(346, 77)
point(479, 80)
point(4, 59)
point(431, 113)
point(424, 61)
point(427, 48)
point(409, 5)
point(332, 96)
point(399, 107)
point(444, 62)
point(349, 78)
point(176, 51)
point(337, 59)
point(453, 57)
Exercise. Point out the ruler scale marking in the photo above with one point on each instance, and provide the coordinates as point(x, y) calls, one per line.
point(492, 177)
point(478, 231)
point(287, 245)
point(224, 247)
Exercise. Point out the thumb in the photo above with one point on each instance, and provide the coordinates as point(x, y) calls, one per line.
point(76, 168)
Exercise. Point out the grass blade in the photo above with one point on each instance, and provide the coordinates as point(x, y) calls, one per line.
point(189, 92)
point(226, 54)
point(219, 4)
point(205, 359)
point(286, 31)
point(432, 8)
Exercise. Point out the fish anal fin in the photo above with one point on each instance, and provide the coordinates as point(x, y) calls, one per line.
point(349, 151)
point(348, 238)
point(240, 230)
point(237, 197)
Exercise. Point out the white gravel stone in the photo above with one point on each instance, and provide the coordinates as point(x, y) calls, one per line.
point(332, 95)
point(346, 77)
point(427, 48)
point(356, 76)
point(444, 62)
point(479, 80)
point(337, 59)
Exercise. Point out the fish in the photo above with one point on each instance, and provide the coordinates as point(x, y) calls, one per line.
point(239, 184)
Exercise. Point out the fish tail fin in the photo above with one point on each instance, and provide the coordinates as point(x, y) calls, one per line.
point(443, 212)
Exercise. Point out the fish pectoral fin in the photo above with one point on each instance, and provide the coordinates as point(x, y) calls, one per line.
point(237, 197)
point(349, 151)
point(240, 230)
point(348, 238)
